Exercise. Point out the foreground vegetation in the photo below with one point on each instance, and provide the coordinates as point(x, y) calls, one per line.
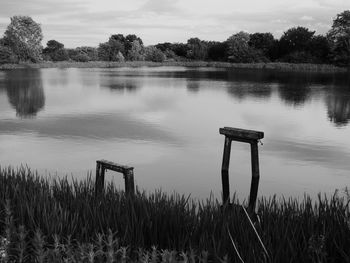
point(56, 220)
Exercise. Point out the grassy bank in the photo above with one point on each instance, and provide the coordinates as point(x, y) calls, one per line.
point(43, 218)
point(103, 64)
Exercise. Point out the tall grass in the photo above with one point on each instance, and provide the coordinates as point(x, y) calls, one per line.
point(51, 216)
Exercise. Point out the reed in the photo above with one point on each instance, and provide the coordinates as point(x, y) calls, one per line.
point(62, 221)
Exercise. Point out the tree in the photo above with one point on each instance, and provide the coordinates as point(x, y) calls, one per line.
point(24, 36)
point(263, 42)
point(320, 49)
point(129, 42)
point(296, 39)
point(55, 51)
point(197, 49)
point(154, 54)
point(180, 49)
point(110, 51)
point(217, 51)
point(339, 37)
point(136, 52)
point(7, 56)
point(239, 51)
point(83, 54)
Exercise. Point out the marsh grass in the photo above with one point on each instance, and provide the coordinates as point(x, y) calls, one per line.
point(59, 220)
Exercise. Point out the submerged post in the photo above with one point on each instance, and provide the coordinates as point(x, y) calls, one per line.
point(247, 136)
point(128, 174)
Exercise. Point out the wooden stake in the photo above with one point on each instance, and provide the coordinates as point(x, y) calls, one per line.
point(224, 171)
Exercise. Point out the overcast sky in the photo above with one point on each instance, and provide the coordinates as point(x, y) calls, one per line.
point(90, 22)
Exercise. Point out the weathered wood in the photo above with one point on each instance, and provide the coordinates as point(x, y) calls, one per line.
point(127, 171)
point(98, 188)
point(255, 176)
point(224, 171)
point(241, 134)
point(247, 136)
point(129, 182)
point(114, 166)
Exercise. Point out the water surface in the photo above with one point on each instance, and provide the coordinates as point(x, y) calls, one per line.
point(165, 122)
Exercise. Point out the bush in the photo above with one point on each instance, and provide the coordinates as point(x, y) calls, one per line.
point(299, 57)
point(81, 57)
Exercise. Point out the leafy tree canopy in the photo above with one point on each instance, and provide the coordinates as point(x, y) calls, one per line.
point(296, 39)
point(339, 37)
point(262, 41)
point(136, 52)
point(24, 36)
point(197, 49)
point(238, 48)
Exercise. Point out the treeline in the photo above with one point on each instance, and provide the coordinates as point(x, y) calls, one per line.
point(22, 42)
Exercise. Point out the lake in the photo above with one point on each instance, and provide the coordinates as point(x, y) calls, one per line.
point(165, 121)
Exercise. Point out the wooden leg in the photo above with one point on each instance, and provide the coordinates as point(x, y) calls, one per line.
point(97, 179)
point(129, 182)
point(102, 177)
point(255, 175)
point(224, 171)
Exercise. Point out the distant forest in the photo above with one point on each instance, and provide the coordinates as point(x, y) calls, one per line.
point(22, 39)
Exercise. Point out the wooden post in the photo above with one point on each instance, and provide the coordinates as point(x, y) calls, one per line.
point(102, 178)
point(128, 174)
point(224, 170)
point(129, 182)
point(97, 179)
point(255, 175)
point(246, 136)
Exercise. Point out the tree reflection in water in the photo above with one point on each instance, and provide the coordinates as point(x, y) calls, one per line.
point(25, 92)
point(338, 107)
point(119, 84)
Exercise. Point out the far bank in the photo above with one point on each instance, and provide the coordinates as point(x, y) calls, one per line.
point(304, 67)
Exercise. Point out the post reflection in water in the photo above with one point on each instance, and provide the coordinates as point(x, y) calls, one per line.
point(25, 92)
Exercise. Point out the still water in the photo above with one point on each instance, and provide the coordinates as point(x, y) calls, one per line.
point(165, 122)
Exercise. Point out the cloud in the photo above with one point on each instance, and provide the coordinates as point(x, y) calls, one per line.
point(161, 7)
point(90, 22)
point(307, 18)
point(39, 7)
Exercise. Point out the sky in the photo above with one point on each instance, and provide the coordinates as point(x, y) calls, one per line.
point(89, 22)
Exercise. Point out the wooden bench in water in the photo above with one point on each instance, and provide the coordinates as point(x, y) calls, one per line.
point(247, 136)
point(128, 174)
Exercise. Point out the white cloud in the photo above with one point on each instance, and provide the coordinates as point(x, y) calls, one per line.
point(89, 22)
point(307, 18)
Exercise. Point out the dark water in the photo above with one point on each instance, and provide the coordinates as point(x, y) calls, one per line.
point(165, 121)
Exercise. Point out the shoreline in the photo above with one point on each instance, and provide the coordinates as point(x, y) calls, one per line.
point(322, 68)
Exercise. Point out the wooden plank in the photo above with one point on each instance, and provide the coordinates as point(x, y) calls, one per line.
point(114, 166)
point(241, 134)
